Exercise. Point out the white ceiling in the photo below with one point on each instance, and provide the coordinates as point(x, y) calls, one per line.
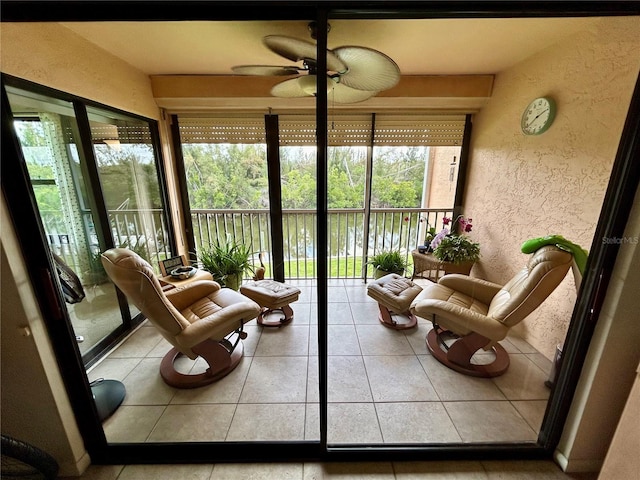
point(419, 47)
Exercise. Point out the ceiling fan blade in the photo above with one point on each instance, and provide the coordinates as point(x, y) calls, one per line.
point(368, 69)
point(289, 89)
point(296, 50)
point(344, 94)
point(274, 70)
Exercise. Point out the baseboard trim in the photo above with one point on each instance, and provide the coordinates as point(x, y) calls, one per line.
point(577, 466)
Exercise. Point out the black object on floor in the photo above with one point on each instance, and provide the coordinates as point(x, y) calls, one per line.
point(108, 395)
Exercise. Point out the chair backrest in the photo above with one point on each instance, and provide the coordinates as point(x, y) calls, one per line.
point(134, 276)
point(531, 286)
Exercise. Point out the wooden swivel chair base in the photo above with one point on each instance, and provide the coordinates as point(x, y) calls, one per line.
point(458, 355)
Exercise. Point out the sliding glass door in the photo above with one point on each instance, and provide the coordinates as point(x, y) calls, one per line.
point(72, 185)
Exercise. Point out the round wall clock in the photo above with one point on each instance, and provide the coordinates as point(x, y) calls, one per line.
point(538, 116)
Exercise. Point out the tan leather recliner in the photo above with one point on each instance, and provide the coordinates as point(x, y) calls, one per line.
point(198, 319)
point(480, 313)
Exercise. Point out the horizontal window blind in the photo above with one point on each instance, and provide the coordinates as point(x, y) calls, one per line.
point(390, 130)
point(222, 129)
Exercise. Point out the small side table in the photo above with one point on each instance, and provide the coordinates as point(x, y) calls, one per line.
point(168, 282)
point(425, 265)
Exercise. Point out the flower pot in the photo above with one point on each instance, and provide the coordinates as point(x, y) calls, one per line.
point(462, 268)
point(233, 281)
point(378, 273)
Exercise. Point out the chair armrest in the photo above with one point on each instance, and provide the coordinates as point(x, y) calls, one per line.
point(482, 290)
point(219, 324)
point(182, 297)
point(461, 320)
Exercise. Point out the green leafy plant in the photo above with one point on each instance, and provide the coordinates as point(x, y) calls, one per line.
point(390, 261)
point(455, 247)
point(227, 262)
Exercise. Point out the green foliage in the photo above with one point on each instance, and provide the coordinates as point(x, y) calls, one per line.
point(390, 261)
point(457, 249)
point(223, 260)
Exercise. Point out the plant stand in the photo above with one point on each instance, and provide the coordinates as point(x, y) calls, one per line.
point(425, 265)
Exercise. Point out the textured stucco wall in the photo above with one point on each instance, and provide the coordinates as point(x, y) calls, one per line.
point(54, 56)
point(520, 187)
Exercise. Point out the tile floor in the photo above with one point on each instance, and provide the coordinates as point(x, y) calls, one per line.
point(384, 387)
point(467, 470)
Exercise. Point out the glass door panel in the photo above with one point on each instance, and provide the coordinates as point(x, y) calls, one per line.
point(48, 134)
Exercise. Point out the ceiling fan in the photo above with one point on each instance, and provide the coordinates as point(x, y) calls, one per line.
point(354, 73)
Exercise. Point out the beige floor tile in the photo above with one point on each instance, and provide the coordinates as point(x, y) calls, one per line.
point(379, 340)
point(365, 313)
point(166, 472)
point(358, 293)
point(342, 340)
point(347, 380)
point(276, 380)
point(524, 380)
point(349, 471)
point(225, 390)
point(257, 471)
point(139, 343)
point(161, 349)
point(416, 422)
point(99, 472)
point(289, 340)
point(352, 423)
point(301, 313)
point(520, 344)
point(541, 361)
point(486, 421)
point(113, 368)
point(339, 314)
point(398, 378)
point(145, 386)
point(417, 337)
point(335, 294)
point(193, 423)
point(254, 332)
point(451, 385)
point(268, 422)
point(459, 470)
point(524, 470)
point(312, 422)
point(532, 411)
point(313, 385)
point(132, 423)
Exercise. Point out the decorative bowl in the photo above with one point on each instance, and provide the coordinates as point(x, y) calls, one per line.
point(182, 273)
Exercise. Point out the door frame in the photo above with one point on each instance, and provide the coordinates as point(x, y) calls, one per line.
point(623, 185)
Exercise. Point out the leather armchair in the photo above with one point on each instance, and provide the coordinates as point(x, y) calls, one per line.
point(198, 319)
point(478, 314)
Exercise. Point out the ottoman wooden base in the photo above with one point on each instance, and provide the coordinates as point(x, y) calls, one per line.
point(273, 297)
point(394, 295)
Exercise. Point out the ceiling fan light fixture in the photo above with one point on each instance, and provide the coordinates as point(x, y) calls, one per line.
point(308, 84)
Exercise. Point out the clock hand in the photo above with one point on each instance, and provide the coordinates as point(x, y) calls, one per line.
point(544, 111)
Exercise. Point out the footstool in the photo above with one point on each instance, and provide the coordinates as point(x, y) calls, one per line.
point(394, 294)
point(271, 296)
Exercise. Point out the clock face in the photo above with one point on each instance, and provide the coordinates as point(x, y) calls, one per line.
point(538, 116)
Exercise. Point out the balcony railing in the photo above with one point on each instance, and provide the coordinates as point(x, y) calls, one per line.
point(145, 232)
point(397, 229)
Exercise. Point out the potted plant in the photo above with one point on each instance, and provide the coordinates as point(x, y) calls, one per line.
point(227, 263)
point(386, 262)
point(453, 248)
point(96, 274)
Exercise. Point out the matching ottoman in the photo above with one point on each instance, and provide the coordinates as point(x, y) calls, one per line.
point(271, 296)
point(394, 295)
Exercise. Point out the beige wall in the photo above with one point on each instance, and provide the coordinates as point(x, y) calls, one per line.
point(52, 55)
point(442, 192)
point(521, 187)
point(35, 407)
